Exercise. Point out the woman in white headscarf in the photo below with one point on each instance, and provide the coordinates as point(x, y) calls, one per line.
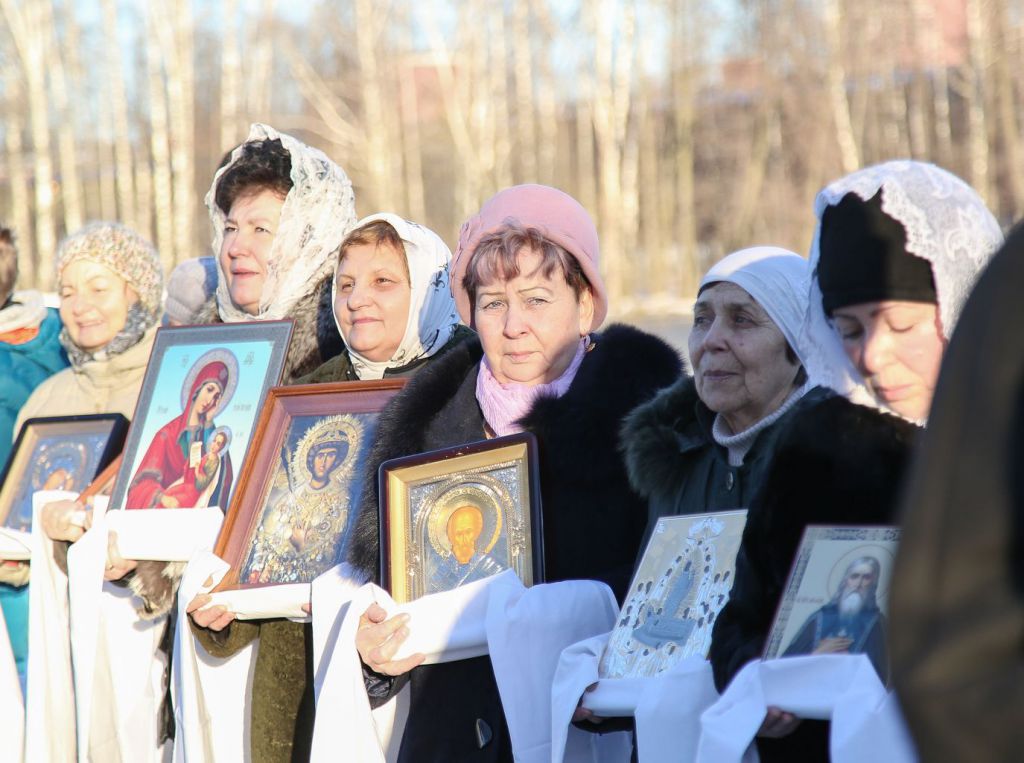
point(279, 210)
point(392, 303)
point(395, 311)
point(896, 253)
point(898, 249)
point(704, 443)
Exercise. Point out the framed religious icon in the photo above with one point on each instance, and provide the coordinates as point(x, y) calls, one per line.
point(837, 595)
point(56, 453)
point(298, 497)
point(454, 516)
point(203, 388)
point(680, 586)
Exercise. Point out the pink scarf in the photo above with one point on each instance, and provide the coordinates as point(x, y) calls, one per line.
point(503, 405)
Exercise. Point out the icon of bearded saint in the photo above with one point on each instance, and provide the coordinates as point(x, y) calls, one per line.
point(467, 561)
point(850, 622)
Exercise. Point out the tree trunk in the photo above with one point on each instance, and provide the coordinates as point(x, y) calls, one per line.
point(119, 112)
point(27, 31)
point(159, 141)
point(977, 120)
point(70, 185)
point(230, 79)
point(21, 204)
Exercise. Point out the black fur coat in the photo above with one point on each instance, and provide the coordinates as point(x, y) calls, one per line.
point(835, 463)
point(593, 520)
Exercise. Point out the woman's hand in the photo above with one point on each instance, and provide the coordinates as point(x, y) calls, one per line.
point(117, 565)
point(214, 618)
point(14, 573)
point(583, 714)
point(64, 520)
point(778, 723)
point(379, 638)
point(169, 502)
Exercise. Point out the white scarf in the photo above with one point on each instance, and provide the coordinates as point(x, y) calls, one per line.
point(317, 213)
point(432, 315)
point(25, 311)
point(946, 223)
point(777, 280)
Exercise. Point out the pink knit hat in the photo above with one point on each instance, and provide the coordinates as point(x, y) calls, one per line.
point(555, 214)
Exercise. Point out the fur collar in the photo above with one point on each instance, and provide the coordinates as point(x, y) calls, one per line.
point(656, 435)
point(314, 339)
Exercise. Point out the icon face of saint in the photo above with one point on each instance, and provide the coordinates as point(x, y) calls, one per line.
point(464, 528)
point(207, 398)
point(860, 579)
point(321, 463)
point(218, 443)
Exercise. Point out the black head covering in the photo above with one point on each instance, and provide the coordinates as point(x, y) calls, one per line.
point(864, 258)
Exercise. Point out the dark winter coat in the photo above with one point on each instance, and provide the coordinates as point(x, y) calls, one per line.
point(677, 466)
point(835, 463)
point(283, 707)
point(957, 598)
point(593, 520)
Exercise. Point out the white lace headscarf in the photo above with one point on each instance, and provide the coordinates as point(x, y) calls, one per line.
point(433, 317)
point(946, 223)
point(317, 213)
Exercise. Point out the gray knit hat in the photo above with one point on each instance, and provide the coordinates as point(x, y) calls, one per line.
point(189, 286)
point(122, 250)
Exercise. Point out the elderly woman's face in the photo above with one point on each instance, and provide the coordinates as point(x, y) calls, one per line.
point(249, 232)
point(371, 300)
point(738, 356)
point(94, 302)
point(531, 325)
point(897, 347)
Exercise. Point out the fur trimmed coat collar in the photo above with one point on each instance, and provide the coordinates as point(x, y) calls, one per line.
point(674, 462)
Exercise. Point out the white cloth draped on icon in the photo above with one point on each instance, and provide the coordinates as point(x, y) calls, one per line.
point(211, 722)
point(523, 629)
point(866, 722)
point(666, 707)
point(12, 719)
point(50, 706)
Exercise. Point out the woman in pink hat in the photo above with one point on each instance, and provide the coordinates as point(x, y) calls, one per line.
point(525, 277)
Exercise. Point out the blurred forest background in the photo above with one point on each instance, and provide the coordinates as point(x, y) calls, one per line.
point(687, 127)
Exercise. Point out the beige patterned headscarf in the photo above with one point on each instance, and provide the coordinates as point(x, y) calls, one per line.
point(317, 213)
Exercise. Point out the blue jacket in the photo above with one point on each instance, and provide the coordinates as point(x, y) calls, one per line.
point(23, 367)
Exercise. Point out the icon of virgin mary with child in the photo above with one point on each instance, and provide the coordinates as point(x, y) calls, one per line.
point(187, 464)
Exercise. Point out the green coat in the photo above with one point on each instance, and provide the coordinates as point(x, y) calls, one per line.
point(282, 688)
point(674, 462)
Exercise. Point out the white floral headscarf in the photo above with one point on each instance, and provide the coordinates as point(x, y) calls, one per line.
point(317, 213)
point(946, 223)
point(432, 315)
